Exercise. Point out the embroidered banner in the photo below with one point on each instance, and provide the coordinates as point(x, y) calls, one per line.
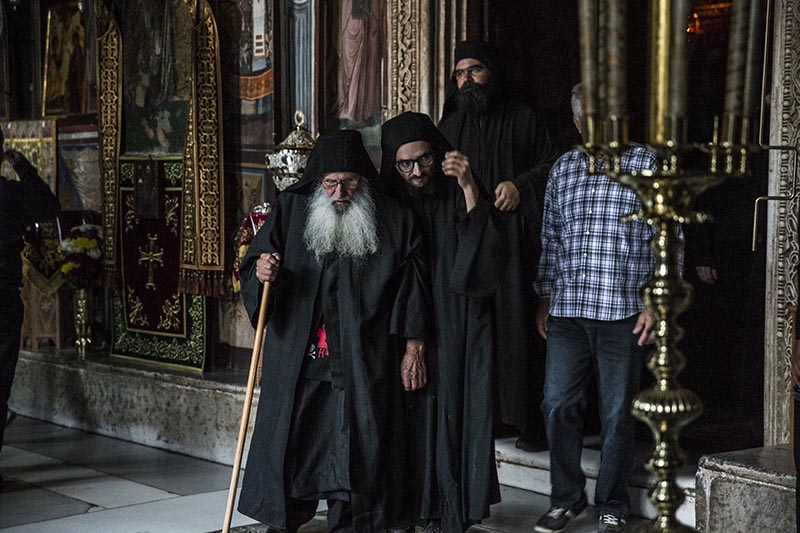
point(153, 318)
point(202, 268)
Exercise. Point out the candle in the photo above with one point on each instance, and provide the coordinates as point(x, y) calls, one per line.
point(587, 12)
point(615, 50)
point(734, 84)
point(678, 60)
point(752, 79)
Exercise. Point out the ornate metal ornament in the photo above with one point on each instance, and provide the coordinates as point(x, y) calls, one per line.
point(288, 161)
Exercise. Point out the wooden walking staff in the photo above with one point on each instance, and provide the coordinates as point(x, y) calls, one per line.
point(258, 347)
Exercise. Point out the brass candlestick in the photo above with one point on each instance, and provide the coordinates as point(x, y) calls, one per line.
point(666, 193)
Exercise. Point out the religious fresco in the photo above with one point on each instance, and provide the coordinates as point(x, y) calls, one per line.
point(235, 329)
point(250, 189)
point(65, 71)
point(157, 68)
point(357, 51)
point(246, 55)
point(79, 183)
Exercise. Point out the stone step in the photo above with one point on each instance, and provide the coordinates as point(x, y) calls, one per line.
point(531, 471)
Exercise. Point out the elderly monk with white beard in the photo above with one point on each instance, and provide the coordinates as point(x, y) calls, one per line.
point(349, 309)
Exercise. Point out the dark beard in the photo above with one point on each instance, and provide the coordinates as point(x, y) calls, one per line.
point(473, 98)
point(420, 192)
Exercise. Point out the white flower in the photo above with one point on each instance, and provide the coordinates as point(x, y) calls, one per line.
point(69, 246)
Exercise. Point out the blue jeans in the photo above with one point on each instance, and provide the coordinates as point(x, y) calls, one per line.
point(573, 345)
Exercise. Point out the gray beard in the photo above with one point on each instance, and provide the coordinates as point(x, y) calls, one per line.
point(351, 233)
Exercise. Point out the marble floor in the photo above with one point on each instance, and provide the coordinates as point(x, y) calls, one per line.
point(61, 480)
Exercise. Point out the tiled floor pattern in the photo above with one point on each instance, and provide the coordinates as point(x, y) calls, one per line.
point(61, 480)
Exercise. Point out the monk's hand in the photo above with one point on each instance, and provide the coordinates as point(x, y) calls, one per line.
point(267, 267)
point(456, 164)
point(506, 196)
point(644, 328)
point(707, 274)
point(412, 368)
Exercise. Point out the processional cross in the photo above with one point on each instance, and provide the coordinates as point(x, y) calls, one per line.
point(154, 257)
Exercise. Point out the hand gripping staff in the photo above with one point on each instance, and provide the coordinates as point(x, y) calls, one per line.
point(258, 347)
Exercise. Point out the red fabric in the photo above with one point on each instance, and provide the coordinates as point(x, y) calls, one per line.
point(244, 236)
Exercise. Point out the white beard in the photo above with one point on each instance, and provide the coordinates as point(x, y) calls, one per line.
point(351, 233)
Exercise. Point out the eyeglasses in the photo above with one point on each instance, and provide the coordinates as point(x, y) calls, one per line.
point(407, 165)
point(349, 184)
point(472, 71)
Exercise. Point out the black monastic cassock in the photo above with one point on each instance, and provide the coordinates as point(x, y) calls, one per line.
point(22, 203)
point(336, 440)
point(466, 253)
point(508, 143)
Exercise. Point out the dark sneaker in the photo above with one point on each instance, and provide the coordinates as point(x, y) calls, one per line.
point(609, 523)
point(531, 445)
point(557, 518)
point(434, 526)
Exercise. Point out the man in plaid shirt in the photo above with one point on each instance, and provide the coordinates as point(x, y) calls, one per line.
point(591, 271)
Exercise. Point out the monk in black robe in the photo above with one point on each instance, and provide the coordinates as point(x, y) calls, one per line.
point(510, 151)
point(466, 253)
point(348, 309)
point(22, 203)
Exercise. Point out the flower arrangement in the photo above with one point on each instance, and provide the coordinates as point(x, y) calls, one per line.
point(81, 255)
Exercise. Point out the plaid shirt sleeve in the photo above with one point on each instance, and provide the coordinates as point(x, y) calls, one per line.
point(551, 229)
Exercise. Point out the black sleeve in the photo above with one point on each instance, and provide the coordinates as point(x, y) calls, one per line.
point(269, 239)
point(411, 311)
point(33, 199)
point(700, 245)
point(482, 249)
point(541, 155)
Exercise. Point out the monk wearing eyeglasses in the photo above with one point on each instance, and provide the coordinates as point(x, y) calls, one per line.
point(453, 447)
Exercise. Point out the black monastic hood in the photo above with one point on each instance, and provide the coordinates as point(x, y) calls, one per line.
point(483, 52)
point(337, 151)
point(402, 129)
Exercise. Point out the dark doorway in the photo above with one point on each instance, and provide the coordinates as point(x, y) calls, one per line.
point(724, 328)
